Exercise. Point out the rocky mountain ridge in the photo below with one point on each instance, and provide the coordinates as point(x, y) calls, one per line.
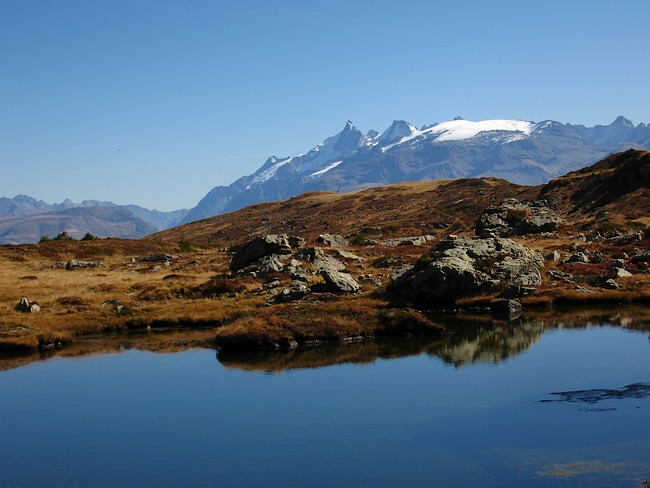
point(519, 151)
point(24, 219)
point(609, 194)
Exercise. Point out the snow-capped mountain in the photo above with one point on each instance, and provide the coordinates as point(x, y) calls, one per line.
point(520, 151)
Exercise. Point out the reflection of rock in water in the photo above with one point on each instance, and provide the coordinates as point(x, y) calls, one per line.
point(326, 355)
point(636, 390)
point(473, 340)
point(490, 342)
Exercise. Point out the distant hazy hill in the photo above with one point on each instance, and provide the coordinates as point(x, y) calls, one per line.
point(24, 219)
point(519, 151)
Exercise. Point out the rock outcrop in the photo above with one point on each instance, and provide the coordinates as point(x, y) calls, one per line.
point(333, 240)
point(468, 266)
point(278, 253)
point(339, 282)
point(515, 218)
point(264, 246)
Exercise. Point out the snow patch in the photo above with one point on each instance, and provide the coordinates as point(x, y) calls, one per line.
point(268, 173)
point(325, 170)
point(459, 129)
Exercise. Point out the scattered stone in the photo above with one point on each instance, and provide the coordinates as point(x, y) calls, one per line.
point(641, 256)
point(561, 275)
point(619, 273)
point(123, 310)
point(554, 257)
point(339, 282)
point(296, 291)
point(297, 271)
point(578, 257)
point(348, 255)
point(75, 263)
point(370, 280)
point(333, 240)
point(25, 306)
point(158, 258)
point(611, 284)
point(582, 289)
point(408, 241)
point(310, 254)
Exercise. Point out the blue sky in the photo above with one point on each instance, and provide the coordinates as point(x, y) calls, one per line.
point(156, 102)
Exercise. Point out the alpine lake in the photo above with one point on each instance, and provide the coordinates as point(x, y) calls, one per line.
point(547, 400)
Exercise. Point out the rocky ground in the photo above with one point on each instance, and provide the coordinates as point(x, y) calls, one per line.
point(325, 273)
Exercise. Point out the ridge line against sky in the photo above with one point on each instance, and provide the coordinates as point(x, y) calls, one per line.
point(155, 102)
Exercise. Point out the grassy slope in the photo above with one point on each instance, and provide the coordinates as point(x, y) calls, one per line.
point(195, 290)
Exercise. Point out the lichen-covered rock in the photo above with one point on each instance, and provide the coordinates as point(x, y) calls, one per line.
point(296, 291)
point(513, 217)
point(339, 282)
point(262, 246)
point(467, 266)
point(333, 240)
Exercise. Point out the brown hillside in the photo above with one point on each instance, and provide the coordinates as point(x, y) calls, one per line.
point(611, 193)
point(425, 207)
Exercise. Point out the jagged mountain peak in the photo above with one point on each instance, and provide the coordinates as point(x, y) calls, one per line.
point(397, 130)
point(620, 120)
point(520, 151)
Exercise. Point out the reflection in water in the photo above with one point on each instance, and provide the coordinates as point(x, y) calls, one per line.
point(475, 339)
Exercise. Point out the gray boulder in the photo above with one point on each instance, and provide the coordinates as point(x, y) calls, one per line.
point(578, 257)
point(333, 240)
point(408, 241)
point(467, 266)
point(262, 246)
point(339, 282)
point(513, 217)
point(158, 258)
point(296, 291)
point(75, 263)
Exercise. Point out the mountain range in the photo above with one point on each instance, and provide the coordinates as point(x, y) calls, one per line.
point(519, 151)
point(24, 219)
point(522, 152)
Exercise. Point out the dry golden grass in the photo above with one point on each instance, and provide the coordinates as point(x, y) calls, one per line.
point(85, 301)
point(343, 320)
point(194, 296)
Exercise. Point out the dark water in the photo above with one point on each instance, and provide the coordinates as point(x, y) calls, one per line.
point(474, 410)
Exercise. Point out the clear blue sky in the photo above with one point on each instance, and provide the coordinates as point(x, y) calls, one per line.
point(155, 102)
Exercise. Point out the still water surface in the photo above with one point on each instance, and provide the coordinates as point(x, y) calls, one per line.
point(456, 412)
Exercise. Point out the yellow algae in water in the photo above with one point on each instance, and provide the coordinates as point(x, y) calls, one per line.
point(578, 468)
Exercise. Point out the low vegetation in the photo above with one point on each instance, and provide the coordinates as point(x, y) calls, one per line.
point(179, 280)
